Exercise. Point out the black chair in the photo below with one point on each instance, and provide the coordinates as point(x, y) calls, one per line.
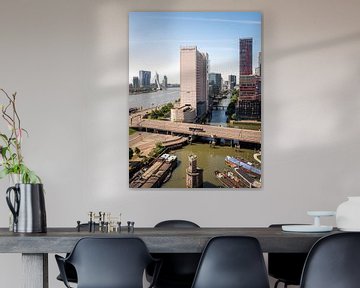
point(69, 269)
point(333, 262)
point(232, 262)
point(178, 269)
point(286, 267)
point(108, 263)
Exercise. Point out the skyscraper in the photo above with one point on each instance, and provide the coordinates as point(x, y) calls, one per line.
point(215, 79)
point(214, 84)
point(232, 81)
point(246, 45)
point(165, 82)
point(193, 79)
point(136, 82)
point(144, 78)
point(258, 68)
point(249, 103)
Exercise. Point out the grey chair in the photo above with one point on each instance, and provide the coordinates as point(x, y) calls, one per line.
point(333, 262)
point(232, 262)
point(286, 267)
point(178, 269)
point(108, 263)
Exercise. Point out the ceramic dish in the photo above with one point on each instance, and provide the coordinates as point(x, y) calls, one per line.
point(306, 228)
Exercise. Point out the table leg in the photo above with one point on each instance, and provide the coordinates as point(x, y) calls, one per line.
point(35, 270)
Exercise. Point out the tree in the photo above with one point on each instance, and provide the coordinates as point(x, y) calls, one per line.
point(131, 153)
point(137, 151)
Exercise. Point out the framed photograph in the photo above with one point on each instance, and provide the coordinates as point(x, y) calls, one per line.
point(195, 99)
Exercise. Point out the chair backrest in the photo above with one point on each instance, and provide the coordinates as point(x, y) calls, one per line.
point(286, 267)
point(232, 262)
point(110, 262)
point(333, 262)
point(176, 224)
point(178, 269)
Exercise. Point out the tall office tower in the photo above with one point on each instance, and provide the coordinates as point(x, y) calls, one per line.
point(164, 82)
point(136, 82)
point(258, 68)
point(215, 83)
point(259, 64)
point(194, 174)
point(194, 88)
point(232, 81)
point(246, 56)
point(144, 78)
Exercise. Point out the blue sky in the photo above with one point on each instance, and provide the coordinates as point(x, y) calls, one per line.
point(155, 39)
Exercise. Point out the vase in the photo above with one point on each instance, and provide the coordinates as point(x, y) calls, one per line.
point(27, 205)
point(13, 179)
point(348, 214)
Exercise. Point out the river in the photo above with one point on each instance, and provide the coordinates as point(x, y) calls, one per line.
point(153, 99)
point(218, 117)
point(209, 159)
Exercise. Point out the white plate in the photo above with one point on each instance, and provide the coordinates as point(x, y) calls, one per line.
point(321, 213)
point(350, 229)
point(306, 228)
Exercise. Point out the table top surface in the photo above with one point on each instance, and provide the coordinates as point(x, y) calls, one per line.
point(158, 240)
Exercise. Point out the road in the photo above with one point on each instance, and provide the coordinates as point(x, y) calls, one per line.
point(210, 131)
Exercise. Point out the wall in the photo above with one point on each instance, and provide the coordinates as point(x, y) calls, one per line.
point(68, 62)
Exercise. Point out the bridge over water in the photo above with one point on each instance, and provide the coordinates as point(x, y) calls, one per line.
point(226, 133)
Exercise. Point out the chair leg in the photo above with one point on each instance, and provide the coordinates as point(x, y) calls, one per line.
point(279, 281)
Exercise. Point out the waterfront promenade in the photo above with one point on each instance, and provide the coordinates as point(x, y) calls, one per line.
point(210, 131)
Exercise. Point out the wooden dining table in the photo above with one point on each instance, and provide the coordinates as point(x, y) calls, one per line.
point(35, 247)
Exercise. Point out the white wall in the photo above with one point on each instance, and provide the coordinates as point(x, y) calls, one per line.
point(68, 62)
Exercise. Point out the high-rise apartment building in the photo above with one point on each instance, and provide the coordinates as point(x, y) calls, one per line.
point(194, 88)
point(246, 45)
point(232, 81)
point(144, 78)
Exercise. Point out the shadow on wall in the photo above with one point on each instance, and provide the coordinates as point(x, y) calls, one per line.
point(308, 47)
point(314, 115)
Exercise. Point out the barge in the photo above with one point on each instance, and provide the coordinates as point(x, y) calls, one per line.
point(158, 173)
point(235, 162)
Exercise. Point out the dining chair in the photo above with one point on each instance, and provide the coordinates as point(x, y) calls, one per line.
point(333, 262)
point(285, 267)
point(108, 263)
point(178, 269)
point(232, 262)
point(69, 269)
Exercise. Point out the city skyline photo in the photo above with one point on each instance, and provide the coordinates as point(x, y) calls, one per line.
point(195, 100)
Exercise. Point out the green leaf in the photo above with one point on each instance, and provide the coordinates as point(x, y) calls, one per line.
point(4, 150)
point(4, 137)
point(3, 173)
point(26, 132)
